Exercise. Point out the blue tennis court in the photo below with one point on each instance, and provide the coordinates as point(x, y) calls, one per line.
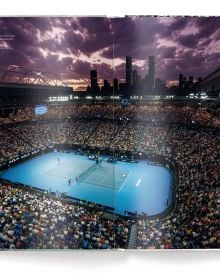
point(142, 187)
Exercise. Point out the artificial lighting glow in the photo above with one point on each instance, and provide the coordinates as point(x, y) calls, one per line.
point(58, 98)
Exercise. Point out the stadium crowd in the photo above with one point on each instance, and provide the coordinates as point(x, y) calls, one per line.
point(155, 112)
point(194, 223)
point(189, 135)
point(32, 220)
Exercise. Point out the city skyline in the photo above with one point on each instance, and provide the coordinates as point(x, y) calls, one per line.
point(72, 46)
point(133, 84)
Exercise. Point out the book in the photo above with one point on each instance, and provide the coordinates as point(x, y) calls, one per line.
point(109, 132)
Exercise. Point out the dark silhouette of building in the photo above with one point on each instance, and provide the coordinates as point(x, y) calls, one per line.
point(136, 83)
point(181, 77)
point(115, 85)
point(134, 78)
point(106, 88)
point(93, 80)
point(190, 79)
point(122, 88)
point(151, 73)
point(160, 87)
point(133, 85)
point(190, 83)
point(128, 71)
point(159, 82)
point(186, 86)
point(199, 79)
point(106, 84)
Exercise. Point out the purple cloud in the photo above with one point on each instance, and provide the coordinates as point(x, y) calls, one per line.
point(69, 46)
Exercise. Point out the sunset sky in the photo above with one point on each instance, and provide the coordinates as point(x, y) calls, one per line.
point(72, 46)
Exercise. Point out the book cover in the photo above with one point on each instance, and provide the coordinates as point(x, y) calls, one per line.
point(109, 132)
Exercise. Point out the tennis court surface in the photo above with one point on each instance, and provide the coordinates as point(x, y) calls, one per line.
point(102, 174)
point(134, 187)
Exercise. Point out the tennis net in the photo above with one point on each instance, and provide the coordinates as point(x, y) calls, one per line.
point(85, 173)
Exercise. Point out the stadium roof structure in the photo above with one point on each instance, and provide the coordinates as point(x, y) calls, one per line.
point(212, 76)
point(12, 74)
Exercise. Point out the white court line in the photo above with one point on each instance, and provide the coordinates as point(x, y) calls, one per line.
point(124, 182)
point(138, 182)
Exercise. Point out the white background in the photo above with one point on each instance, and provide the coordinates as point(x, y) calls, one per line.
point(117, 265)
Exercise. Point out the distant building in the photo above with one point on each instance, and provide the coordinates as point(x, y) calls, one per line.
point(122, 88)
point(93, 81)
point(106, 88)
point(181, 81)
point(106, 84)
point(115, 85)
point(93, 78)
point(128, 71)
point(160, 87)
point(199, 79)
point(160, 83)
point(134, 77)
point(190, 79)
point(151, 72)
point(136, 83)
point(133, 85)
point(190, 83)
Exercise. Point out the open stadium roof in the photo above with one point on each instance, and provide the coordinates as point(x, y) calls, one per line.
point(20, 75)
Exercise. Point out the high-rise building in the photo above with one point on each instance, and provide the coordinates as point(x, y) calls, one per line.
point(138, 80)
point(115, 85)
point(159, 83)
point(128, 70)
point(134, 78)
point(191, 79)
point(190, 82)
point(106, 89)
point(106, 83)
point(151, 73)
point(122, 88)
point(199, 79)
point(93, 80)
point(181, 81)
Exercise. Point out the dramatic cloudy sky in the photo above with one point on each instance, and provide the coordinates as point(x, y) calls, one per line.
point(71, 47)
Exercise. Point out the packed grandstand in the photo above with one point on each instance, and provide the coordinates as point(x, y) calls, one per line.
point(185, 132)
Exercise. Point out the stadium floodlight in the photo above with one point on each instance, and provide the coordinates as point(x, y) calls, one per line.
point(203, 94)
point(114, 97)
point(157, 97)
point(135, 97)
point(58, 98)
